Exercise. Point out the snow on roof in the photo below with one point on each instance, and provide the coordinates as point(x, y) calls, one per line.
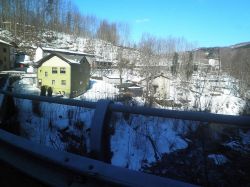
point(72, 59)
point(90, 59)
point(104, 61)
point(24, 62)
point(4, 42)
point(69, 59)
point(23, 59)
point(113, 76)
point(136, 79)
point(134, 87)
point(38, 54)
point(156, 76)
point(13, 72)
point(66, 51)
point(30, 75)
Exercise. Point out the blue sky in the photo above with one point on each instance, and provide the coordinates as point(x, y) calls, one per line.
point(207, 22)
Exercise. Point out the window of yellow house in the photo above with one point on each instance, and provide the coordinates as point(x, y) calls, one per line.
point(46, 74)
point(62, 70)
point(63, 82)
point(53, 82)
point(54, 70)
point(4, 50)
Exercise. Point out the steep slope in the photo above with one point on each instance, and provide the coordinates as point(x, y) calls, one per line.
point(103, 50)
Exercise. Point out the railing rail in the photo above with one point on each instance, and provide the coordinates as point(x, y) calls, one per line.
point(18, 149)
point(241, 121)
point(59, 168)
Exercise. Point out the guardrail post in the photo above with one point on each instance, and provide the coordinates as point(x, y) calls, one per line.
point(99, 137)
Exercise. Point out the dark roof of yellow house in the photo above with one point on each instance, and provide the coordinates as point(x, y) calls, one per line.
point(69, 59)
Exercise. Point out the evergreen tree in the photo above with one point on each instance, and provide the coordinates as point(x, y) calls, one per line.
point(174, 64)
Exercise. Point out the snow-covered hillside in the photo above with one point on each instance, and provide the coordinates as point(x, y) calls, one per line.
point(208, 93)
point(102, 49)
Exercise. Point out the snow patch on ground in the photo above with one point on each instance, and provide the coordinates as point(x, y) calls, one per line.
point(242, 144)
point(223, 104)
point(99, 90)
point(43, 128)
point(218, 159)
point(143, 140)
point(25, 86)
point(245, 137)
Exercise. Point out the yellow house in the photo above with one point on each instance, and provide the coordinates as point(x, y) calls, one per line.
point(64, 75)
point(7, 55)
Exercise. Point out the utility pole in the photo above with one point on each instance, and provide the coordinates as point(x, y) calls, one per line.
point(15, 31)
point(7, 22)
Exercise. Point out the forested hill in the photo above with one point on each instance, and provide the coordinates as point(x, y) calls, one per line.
point(30, 17)
point(59, 24)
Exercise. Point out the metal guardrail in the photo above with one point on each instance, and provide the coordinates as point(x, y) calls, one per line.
point(59, 167)
point(241, 121)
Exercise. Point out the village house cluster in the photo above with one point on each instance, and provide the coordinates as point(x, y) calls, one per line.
point(67, 73)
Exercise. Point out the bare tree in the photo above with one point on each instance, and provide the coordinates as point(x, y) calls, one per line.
point(123, 64)
point(108, 32)
point(175, 64)
point(149, 63)
point(124, 33)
